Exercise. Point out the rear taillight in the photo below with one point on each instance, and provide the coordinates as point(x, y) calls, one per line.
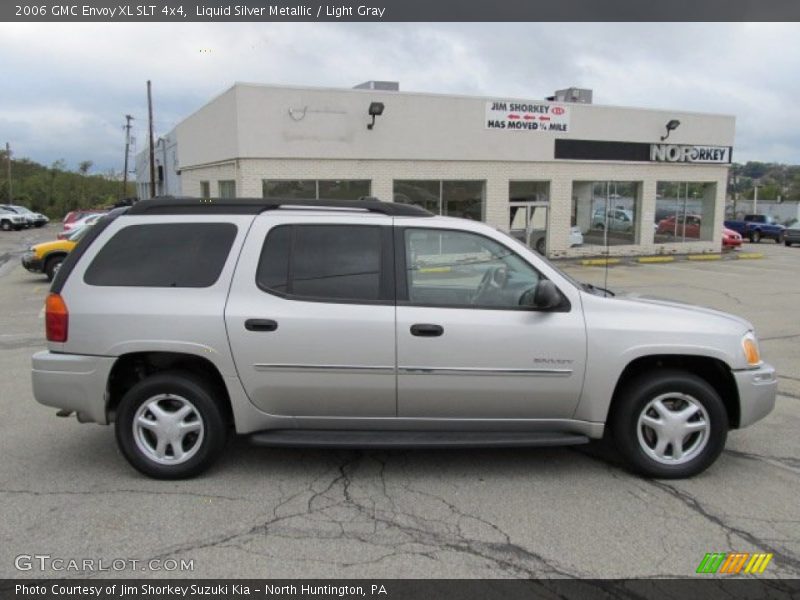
point(56, 318)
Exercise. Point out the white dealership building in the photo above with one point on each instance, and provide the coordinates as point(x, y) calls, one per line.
point(571, 177)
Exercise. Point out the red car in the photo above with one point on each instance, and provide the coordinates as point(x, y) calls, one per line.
point(730, 238)
point(688, 227)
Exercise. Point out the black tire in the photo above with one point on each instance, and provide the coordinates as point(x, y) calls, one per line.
point(755, 236)
point(52, 265)
point(5, 225)
point(787, 243)
point(631, 404)
point(540, 246)
point(182, 386)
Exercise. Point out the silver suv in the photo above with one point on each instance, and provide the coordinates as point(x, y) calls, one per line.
point(369, 324)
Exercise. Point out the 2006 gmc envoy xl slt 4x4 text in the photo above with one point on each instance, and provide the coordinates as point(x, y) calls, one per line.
point(369, 324)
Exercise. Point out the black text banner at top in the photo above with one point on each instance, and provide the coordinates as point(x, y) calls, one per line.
point(400, 11)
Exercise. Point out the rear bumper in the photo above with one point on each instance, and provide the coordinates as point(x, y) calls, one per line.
point(757, 390)
point(73, 382)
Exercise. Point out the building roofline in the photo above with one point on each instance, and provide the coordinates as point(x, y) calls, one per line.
point(458, 96)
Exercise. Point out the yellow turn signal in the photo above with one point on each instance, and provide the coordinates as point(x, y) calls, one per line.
point(750, 347)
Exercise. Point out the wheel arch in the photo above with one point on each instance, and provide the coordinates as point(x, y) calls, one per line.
point(53, 254)
point(132, 367)
point(712, 370)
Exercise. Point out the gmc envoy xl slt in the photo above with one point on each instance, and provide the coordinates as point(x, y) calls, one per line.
point(368, 324)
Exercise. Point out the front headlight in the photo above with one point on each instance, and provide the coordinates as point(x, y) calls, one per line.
point(750, 348)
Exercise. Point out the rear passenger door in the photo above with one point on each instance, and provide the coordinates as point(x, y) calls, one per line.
point(310, 316)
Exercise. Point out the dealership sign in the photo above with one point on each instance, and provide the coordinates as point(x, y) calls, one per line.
point(690, 154)
point(526, 116)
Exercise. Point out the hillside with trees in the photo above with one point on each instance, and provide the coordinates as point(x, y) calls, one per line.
point(775, 181)
point(56, 190)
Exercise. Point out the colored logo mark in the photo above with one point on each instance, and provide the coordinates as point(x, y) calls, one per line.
point(734, 563)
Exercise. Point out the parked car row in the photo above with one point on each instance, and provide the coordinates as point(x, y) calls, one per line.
point(13, 216)
point(757, 227)
point(47, 257)
point(792, 233)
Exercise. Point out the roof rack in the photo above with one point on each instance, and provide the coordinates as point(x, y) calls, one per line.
point(171, 205)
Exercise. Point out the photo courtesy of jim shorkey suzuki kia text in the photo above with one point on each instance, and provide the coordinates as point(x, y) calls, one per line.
point(192, 590)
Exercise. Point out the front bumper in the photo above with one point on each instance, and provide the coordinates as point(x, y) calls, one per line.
point(31, 263)
point(757, 390)
point(72, 382)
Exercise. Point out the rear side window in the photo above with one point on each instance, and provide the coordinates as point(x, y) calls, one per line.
point(187, 255)
point(325, 262)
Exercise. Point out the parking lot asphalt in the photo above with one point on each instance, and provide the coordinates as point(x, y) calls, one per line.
point(67, 492)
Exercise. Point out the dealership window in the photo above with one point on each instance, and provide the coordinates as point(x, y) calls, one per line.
point(335, 189)
point(205, 189)
point(227, 188)
point(606, 212)
point(454, 198)
point(684, 211)
point(313, 189)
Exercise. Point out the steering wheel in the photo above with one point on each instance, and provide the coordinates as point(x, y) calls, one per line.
point(495, 278)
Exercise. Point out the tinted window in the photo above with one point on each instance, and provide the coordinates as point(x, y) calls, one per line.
point(273, 266)
point(163, 255)
point(324, 262)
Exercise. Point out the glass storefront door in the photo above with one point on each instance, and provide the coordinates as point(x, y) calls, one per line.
point(528, 223)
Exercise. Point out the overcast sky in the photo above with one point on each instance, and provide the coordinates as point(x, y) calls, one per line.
point(67, 87)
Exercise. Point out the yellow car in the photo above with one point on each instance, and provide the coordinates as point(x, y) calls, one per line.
point(47, 257)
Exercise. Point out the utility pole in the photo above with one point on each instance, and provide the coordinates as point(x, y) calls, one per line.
point(8, 171)
point(755, 197)
point(128, 120)
point(152, 148)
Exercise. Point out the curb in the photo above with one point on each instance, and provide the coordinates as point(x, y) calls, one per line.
point(656, 259)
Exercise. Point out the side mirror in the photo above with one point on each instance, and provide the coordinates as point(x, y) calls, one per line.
point(546, 295)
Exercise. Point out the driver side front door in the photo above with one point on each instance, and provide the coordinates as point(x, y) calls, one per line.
point(466, 349)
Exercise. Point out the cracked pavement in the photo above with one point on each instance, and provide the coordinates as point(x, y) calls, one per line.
point(547, 512)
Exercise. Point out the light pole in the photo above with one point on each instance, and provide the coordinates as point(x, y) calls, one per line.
point(8, 164)
point(756, 183)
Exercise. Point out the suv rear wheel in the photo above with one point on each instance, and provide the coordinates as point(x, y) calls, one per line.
point(669, 424)
point(170, 427)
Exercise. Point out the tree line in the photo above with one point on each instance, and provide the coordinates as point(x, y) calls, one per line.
point(774, 180)
point(56, 190)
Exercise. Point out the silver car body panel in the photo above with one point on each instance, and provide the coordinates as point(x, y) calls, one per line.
point(446, 376)
point(72, 382)
point(113, 321)
point(309, 337)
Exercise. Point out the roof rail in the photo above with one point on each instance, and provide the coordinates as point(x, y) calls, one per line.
point(171, 205)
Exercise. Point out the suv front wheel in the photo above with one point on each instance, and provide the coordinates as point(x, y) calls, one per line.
point(169, 426)
point(669, 424)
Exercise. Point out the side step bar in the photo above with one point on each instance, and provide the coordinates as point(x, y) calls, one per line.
point(308, 438)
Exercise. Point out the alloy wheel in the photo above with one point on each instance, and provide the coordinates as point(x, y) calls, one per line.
point(673, 428)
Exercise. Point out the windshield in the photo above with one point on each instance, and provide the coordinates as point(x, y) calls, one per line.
point(78, 233)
